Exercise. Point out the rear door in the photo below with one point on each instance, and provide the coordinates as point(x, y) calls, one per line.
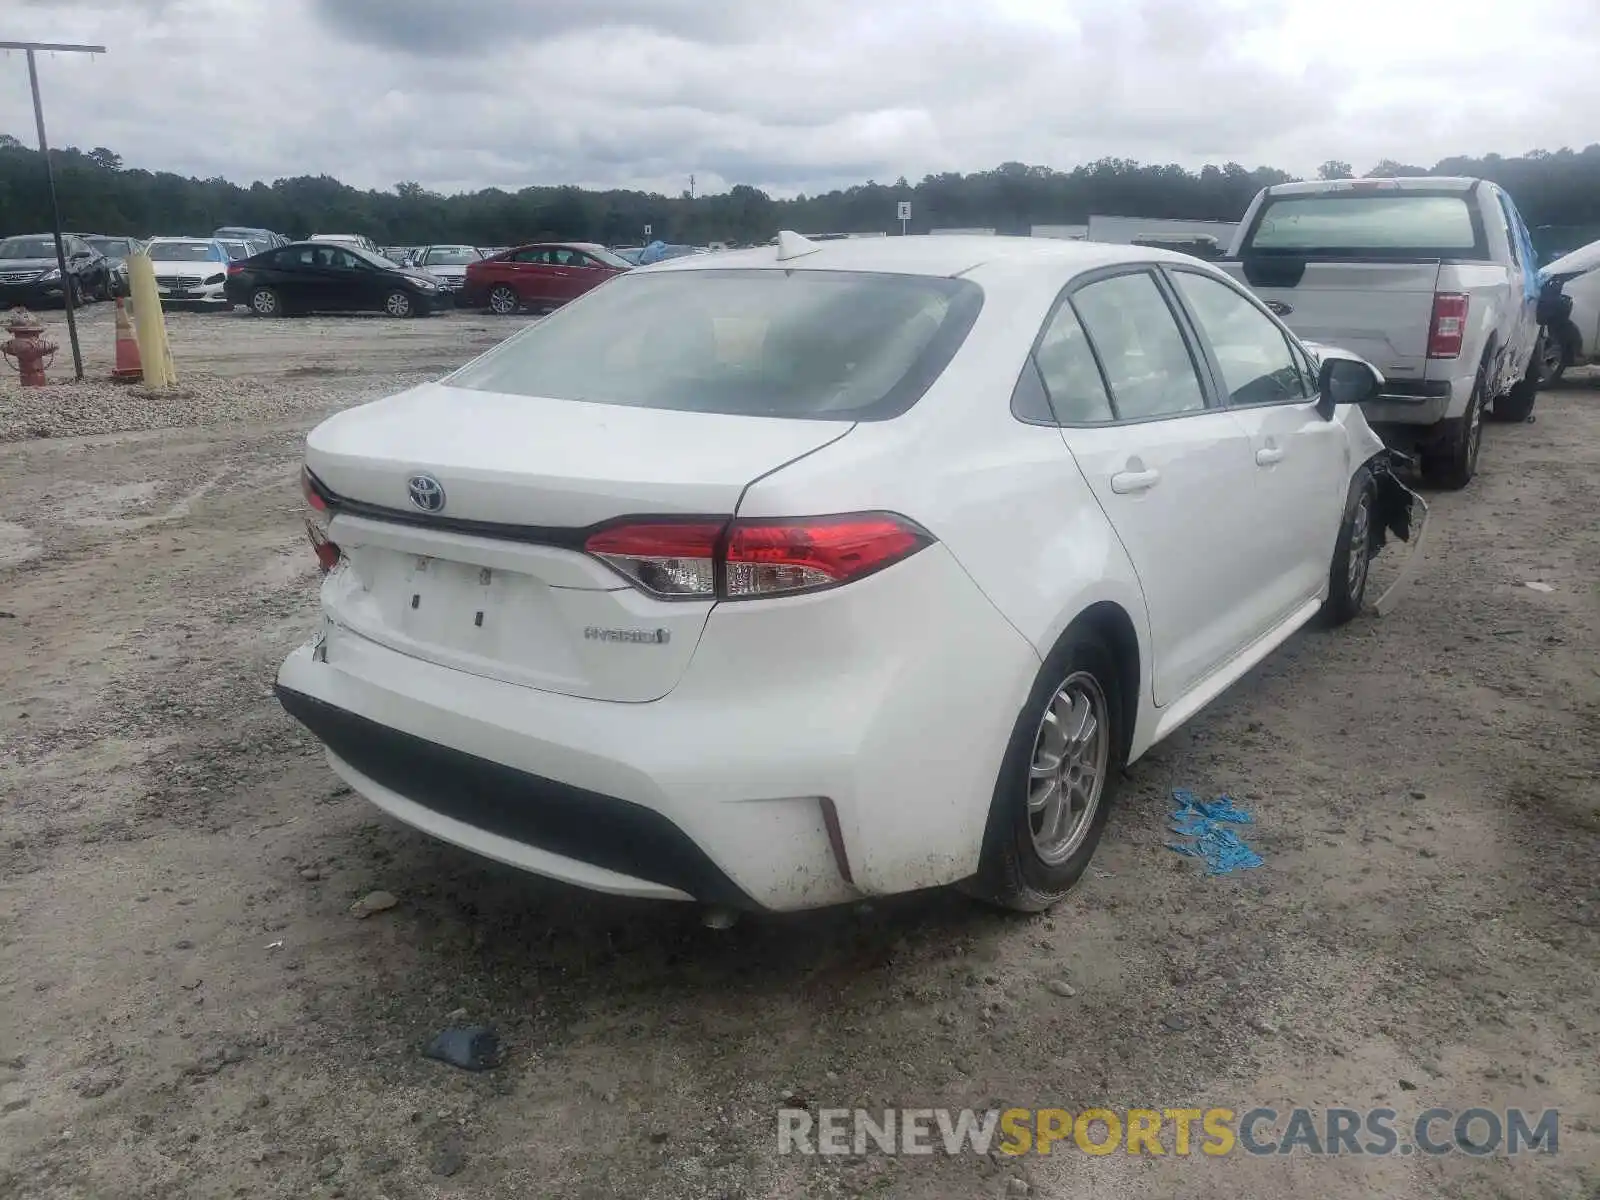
point(1301, 459)
point(528, 272)
point(295, 278)
point(1170, 469)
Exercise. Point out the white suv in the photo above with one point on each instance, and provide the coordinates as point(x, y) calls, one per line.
point(774, 579)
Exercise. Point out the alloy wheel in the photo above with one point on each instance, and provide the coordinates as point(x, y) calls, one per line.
point(398, 304)
point(1474, 432)
point(503, 301)
point(264, 302)
point(1552, 358)
point(1067, 774)
point(1360, 547)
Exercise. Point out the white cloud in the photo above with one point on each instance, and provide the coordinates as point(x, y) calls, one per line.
point(801, 97)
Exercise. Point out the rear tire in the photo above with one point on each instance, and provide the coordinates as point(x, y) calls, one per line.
point(1352, 552)
point(1057, 779)
point(1452, 463)
point(265, 302)
point(1517, 405)
point(1556, 357)
point(503, 301)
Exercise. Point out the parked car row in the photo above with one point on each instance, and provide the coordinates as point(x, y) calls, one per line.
point(1571, 312)
point(330, 276)
point(30, 273)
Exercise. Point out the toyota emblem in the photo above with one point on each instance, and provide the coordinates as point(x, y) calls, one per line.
point(427, 493)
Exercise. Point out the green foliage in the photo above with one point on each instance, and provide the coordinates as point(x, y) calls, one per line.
point(98, 194)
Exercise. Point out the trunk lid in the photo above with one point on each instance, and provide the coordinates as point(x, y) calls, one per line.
point(495, 582)
point(1382, 311)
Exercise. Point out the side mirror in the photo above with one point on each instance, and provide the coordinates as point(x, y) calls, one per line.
point(80, 255)
point(1346, 381)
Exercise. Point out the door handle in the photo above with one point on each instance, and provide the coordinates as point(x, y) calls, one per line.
point(1124, 482)
point(1268, 455)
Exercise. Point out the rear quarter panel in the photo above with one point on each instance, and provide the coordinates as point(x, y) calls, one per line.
point(1492, 313)
point(1005, 497)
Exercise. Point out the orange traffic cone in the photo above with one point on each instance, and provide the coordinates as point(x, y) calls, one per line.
point(128, 369)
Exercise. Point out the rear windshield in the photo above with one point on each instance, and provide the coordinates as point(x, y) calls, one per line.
point(824, 345)
point(1353, 224)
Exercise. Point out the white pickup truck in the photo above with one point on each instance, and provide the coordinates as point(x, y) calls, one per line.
point(1432, 280)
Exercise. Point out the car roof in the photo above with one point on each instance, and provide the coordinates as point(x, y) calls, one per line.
point(1405, 183)
point(933, 254)
point(558, 246)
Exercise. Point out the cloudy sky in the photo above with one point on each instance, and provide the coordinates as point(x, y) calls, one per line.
point(803, 95)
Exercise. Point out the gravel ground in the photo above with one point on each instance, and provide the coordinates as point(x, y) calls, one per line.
point(234, 367)
point(188, 1009)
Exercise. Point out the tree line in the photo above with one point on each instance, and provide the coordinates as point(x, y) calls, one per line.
point(1558, 193)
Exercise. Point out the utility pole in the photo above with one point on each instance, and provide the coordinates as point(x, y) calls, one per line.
point(691, 187)
point(50, 178)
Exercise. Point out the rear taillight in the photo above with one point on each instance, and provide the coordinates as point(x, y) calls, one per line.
point(675, 560)
point(750, 559)
point(328, 554)
point(770, 557)
point(312, 487)
point(1449, 326)
point(235, 268)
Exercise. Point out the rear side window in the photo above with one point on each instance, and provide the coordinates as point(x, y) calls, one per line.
point(1067, 366)
point(1352, 224)
point(1146, 360)
point(821, 345)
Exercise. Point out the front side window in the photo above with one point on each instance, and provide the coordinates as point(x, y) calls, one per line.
point(1257, 366)
point(1146, 360)
point(537, 257)
point(819, 345)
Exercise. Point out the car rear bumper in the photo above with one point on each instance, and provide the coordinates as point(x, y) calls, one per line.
point(834, 749)
point(1420, 401)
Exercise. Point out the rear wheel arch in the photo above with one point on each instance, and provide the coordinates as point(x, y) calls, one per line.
point(1111, 623)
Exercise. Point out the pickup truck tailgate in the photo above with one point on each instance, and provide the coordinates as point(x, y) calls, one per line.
point(1382, 311)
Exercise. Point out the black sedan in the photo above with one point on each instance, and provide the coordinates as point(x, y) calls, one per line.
point(30, 274)
point(323, 277)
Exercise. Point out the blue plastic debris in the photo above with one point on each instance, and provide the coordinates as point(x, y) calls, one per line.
point(1205, 821)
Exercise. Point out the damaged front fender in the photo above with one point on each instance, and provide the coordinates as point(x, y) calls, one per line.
point(1400, 512)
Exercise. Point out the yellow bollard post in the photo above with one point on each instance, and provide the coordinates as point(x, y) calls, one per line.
point(150, 324)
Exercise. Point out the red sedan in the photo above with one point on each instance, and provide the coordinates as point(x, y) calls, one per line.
point(542, 276)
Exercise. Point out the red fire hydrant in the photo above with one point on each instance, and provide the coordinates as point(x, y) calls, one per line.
point(27, 352)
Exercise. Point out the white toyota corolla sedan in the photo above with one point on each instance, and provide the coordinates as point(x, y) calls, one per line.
point(778, 578)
